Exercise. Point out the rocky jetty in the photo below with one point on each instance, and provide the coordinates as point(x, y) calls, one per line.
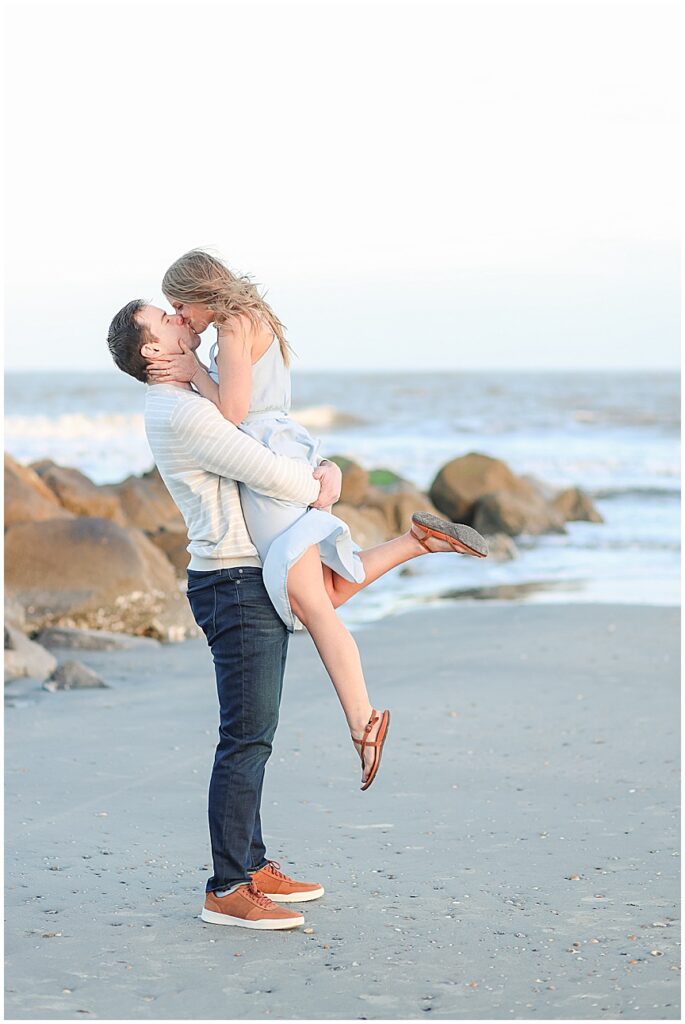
point(474, 489)
point(77, 556)
point(86, 563)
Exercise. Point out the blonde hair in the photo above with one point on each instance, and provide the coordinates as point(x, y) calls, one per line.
point(200, 277)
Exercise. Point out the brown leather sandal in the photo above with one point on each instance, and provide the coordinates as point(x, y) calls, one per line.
point(377, 743)
point(458, 536)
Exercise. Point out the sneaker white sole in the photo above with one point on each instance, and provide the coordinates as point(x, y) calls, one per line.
point(211, 917)
point(297, 897)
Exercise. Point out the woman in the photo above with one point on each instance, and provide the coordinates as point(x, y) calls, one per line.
point(311, 564)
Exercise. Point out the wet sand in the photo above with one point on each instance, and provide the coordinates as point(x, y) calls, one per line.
point(516, 858)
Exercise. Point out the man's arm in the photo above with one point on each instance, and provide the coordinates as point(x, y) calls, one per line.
point(330, 475)
point(219, 447)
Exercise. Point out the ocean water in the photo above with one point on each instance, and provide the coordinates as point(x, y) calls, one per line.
point(617, 435)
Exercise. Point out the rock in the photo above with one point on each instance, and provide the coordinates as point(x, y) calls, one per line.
point(513, 514)
point(355, 480)
point(367, 525)
point(73, 675)
point(461, 482)
point(387, 480)
point(385, 491)
point(501, 548)
point(92, 573)
point(397, 505)
point(27, 498)
point(574, 504)
point(484, 493)
point(78, 494)
point(23, 657)
point(41, 465)
point(503, 591)
point(174, 544)
point(545, 490)
point(14, 613)
point(91, 640)
point(147, 503)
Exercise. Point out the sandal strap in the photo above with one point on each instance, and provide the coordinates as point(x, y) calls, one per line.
point(453, 543)
point(420, 539)
point(365, 742)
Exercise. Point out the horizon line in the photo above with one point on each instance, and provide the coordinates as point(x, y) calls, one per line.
point(112, 371)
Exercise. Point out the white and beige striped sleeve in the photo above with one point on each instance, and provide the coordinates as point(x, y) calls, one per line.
point(218, 446)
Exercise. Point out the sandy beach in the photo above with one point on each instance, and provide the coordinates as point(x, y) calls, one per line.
point(516, 858)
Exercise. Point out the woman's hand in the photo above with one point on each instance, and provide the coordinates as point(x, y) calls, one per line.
point(182, 367)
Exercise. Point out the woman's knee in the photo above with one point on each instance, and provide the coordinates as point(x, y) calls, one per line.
point(307, 603)
point(306, 590)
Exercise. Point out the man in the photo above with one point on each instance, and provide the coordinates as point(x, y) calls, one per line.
point(200, 456)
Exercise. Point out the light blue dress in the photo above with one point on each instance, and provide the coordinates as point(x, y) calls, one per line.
point(282, 530)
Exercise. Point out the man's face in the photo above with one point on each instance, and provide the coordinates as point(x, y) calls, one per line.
point(167, 332)
point(197, 314)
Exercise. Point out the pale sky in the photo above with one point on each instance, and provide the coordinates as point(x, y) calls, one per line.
point(422, 185)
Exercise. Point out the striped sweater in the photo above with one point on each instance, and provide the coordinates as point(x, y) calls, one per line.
point(200, 456)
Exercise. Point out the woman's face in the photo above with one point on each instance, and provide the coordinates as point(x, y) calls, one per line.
point(197, 314)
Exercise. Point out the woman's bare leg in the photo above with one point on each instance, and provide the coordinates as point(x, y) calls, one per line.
point(337, 648)
point(377, 561)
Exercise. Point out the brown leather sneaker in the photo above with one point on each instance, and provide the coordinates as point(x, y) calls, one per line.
point(247, 907)
point(282, 889)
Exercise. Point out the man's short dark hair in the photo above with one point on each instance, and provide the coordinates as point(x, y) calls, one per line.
point(125, 339)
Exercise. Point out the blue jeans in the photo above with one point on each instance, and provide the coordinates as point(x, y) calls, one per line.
point(249, 644)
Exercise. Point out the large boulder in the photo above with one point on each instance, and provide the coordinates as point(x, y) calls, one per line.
point(461, 482)
point(504, 512)
point(146, 502)
point(545, 490)
point(27, 498)
point(355, 480)
point(484, 493)
point(397, 505)
point(368, 526)
point(174, 544)
point(388, 481)
point(92, 573)
point(78, 494)
point(23, 657)
point(574, 504)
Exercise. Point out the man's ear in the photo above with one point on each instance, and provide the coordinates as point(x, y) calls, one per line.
point(149, 349)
